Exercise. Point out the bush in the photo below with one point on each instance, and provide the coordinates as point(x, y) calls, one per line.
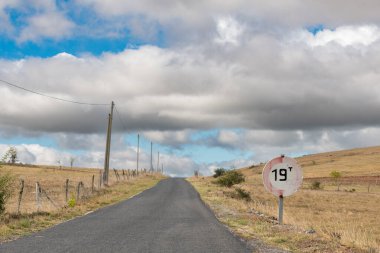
point(230, 178)
point(316, 185)
point(242, 194)
point(6, 190)
point(72, 202)
point(219, 172)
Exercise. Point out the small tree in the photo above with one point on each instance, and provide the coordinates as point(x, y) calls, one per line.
point(336, 175)
point(10, 156)
point(219, 172)
point(6, 189)
point(72, 160)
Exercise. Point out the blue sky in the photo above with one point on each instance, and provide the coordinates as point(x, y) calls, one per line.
point(211, 85)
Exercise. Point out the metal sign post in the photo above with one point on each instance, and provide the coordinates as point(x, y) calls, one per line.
point(282, 177)
point(280, 209)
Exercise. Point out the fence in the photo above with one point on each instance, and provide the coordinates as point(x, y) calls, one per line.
point(364, 184)
point(50, 193)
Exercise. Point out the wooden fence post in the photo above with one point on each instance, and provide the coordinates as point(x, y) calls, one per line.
point(117, 179)
point(67, 190)
point(93, 181)
point(100, 179)
point(78, 190)
point(20, 195)
point(38, 196)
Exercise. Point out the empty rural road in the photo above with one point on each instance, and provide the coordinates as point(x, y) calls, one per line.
point(169, 217)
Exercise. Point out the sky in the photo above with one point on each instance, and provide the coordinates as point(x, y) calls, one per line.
point(210, 83)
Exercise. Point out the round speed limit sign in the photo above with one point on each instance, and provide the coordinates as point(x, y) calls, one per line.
point(282, 176)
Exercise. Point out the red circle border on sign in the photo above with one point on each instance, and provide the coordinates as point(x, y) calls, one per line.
point(267, 169)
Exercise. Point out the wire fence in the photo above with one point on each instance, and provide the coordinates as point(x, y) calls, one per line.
point(48, 195)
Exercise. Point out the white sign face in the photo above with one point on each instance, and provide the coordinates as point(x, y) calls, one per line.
point(282, 176)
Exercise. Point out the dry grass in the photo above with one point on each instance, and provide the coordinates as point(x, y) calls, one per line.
point(52, 180)
point(344, 221)
point(355, 162)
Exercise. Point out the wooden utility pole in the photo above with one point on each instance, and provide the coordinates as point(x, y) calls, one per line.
point(158, 161)
point(151, 156)
point(108, 146)
point(138, 151)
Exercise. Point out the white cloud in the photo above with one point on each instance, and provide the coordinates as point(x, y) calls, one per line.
point(120, 159)
point(229, 31)
point(285, 96)
point(37, 154)
point(5, 23)
point(193, 22)
point(344, 36)
point(52, 25)
point(278, 85)
point(287, 11)
point(169, 138)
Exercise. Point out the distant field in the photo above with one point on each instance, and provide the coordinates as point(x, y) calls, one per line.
point(349, 217)
point(355, 162)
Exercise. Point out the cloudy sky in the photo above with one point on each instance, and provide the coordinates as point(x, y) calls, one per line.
point(210, 83)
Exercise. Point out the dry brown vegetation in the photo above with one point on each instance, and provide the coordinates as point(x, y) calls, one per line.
point(345, 221)
point(52, 180)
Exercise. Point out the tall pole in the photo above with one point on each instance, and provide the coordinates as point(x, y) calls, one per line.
point(108, 146)
point(162, 169)
point(151, 156)
point(158, 161)
point(138, 151)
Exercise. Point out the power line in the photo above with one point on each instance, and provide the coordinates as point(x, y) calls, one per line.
point(48, 96)
point(121, 120)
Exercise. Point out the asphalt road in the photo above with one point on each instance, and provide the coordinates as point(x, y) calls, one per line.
point(169, 217)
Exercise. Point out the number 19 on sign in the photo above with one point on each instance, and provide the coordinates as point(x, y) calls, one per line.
point(282, 172)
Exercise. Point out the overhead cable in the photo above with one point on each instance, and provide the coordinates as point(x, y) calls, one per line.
point(48, 96)
point(121, 120)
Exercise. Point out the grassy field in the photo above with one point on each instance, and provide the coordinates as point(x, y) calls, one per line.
point(344, 221)
point(52, 181)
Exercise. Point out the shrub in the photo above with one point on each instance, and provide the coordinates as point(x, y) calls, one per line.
point(243, 194)
point(219, 172)
point(25, 223)
point(6, 190)
point(316, 185)
point(230, 178)
point(72, 202)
